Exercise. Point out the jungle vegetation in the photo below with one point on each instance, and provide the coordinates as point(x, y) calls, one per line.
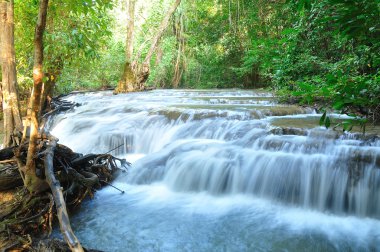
point(326, 50)
point(323, 53)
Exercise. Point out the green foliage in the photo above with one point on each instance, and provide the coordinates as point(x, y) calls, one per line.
point(76, 32)
point(324, 52)
point(351, 95)
point(162, 73)
point(213, 49)
point(332, 57)
point(103, 72)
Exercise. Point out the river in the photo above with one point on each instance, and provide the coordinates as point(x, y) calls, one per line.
point(223, 170)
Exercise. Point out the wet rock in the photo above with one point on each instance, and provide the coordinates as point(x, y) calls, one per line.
point(289, 131)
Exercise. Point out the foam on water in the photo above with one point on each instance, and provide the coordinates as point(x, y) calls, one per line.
point(213, 171)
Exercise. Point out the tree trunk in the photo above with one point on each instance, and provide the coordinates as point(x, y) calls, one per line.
point(47, 92)
point(128, 79)
point(31, 181)
point(164, 24)
point(159, 55)
point(141, 72)
point(12, 118)
point(179, 63)
point(52, 73)
point(49, 86)
point(255, 76)
point(130, 30)
point(144, 70)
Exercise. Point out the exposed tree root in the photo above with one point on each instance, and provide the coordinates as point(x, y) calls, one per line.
point(71, 176)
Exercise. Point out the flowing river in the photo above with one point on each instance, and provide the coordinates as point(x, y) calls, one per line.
point(223, 170)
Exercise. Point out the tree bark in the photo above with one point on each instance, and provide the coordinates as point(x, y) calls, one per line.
point(179, 63)
point(32, 182)
point(48, 87)
point(60, 203)
point(130, 30)
point(53, 72)
point(47, 92)
point(10, 101)
point(128, 79)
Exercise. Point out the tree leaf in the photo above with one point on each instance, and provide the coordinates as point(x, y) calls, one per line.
point(327, 122)
point(338, 105)
point(322, 119)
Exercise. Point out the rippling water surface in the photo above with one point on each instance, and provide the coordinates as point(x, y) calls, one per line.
point(224, 170)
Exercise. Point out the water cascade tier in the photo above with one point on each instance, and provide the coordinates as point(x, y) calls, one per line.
point(229, 159)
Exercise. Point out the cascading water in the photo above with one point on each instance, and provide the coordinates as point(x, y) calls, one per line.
point(213, 171)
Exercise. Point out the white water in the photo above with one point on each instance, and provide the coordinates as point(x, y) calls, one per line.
point(211, 172)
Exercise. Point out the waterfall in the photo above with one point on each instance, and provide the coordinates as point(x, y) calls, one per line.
point(224, 170)
point(323, 175)
point(226, 143)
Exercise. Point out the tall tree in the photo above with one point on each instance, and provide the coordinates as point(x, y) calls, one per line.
point(164, 24)
point(31, 181)
point(78, 35)
point(140, 73)
point(11, 111)
point(179, 66)
point(130, 30)
point(128, 80)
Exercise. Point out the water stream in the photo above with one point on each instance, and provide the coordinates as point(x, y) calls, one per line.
point(224, 170)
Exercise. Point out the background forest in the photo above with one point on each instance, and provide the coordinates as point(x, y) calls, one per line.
point(313, 50)
point(323, 53)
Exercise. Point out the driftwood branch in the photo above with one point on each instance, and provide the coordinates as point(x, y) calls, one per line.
point(56, 189)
